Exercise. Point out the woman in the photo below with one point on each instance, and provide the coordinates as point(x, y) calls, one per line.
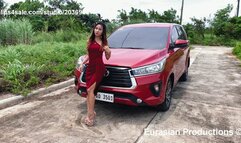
point(96, 45)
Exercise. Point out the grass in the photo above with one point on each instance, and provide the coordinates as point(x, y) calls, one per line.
point(26, 66)
point(237, 50)
point(28, 59)
point(59, 36)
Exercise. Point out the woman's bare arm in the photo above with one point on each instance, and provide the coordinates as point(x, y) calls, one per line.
point(107, 52)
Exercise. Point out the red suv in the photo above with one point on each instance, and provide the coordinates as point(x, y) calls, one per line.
point(147, 61)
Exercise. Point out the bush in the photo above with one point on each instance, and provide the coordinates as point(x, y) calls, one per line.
point(59, 36)
point(42, 37)
point(111, 27)
point(13, 32)
point(219, 41)
point(212, 40)
point(237, 50)
point(20, 76)
point(66, 36)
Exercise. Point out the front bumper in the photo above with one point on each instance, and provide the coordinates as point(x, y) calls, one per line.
point(143, 91)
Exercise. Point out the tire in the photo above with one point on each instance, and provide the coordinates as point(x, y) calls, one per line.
point(184, 76)
point(168, 97)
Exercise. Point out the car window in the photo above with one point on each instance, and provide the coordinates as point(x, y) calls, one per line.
point(181, 33)
point(117, 38)
point(139, 38)
point(174, 35)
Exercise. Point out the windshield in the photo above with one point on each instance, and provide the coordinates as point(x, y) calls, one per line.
point(139, 38)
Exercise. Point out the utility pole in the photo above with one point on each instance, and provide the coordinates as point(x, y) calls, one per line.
point(238, 8)
point(182, 11)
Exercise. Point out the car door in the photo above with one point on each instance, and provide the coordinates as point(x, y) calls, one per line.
point(175, 54)
point(184, 50)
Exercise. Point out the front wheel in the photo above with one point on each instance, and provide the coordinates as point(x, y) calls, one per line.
point(168, 97)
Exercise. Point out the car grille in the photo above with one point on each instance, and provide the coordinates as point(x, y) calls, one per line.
point(118, 77)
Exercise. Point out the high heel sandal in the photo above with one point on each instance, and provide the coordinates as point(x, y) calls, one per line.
point(90, 119)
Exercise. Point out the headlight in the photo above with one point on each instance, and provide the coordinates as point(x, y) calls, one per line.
point(150, 69)
point(79, 63)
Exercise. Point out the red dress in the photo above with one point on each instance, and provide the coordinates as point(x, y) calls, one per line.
point(96, 68)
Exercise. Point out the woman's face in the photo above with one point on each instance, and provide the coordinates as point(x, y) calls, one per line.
point(98, 30)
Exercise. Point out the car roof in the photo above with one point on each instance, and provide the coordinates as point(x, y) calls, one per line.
point(150, 25)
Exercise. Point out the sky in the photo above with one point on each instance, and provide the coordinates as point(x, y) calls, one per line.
point(192, 8)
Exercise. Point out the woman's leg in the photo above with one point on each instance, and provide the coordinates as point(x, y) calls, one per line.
point(91, 101)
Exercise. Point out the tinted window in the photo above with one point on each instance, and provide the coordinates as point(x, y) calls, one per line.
point(139, 37)
point(181, 33)
point(174, 35)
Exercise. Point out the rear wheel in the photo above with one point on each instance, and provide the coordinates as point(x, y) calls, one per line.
point(168, 97)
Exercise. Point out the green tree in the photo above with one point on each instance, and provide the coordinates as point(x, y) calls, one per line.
point(37, 21)
point(189, 28)
point(220, 19)
point(170, 16)
point(112, 26)
point(199, 26)
point(49, 22)
point(137, 15)
point(71, 21)
point(122, 16)
point(3, 5)
point(167, 16)
point(232, 28)
point(64, 5)
point(154, 16)
point(89, 20)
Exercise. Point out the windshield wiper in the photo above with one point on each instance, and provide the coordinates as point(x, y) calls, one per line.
point(126, 48)
point(131, 48)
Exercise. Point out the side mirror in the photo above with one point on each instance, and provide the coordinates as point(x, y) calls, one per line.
point(181, 43)
point(171, 46)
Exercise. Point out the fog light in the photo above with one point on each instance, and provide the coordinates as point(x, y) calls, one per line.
point(156, 88)
point(139, 101)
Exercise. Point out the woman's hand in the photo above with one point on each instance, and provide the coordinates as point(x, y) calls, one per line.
point(86, 59)
point(107, 52)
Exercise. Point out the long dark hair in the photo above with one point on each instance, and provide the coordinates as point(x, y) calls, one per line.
point(103, 36)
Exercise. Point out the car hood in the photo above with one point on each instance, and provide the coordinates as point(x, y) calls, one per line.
point(134, 57)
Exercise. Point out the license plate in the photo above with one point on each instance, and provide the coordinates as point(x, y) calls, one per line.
point(107, 97)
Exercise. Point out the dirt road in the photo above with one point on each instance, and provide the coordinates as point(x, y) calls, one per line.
point(209, 101)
